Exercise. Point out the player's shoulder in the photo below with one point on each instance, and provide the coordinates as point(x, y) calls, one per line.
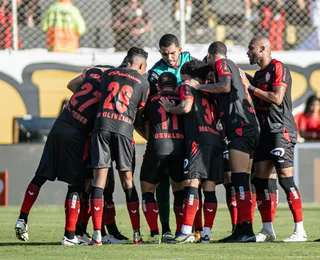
point(278, 64)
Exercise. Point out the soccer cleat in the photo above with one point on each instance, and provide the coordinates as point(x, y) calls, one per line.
point(317, 240)
point(197, 236)
point(21, 229)
point(96, 239)
point(155, 239)
point(183, 238)
point(296, 237)
point(137, 238)
point(204, 240)
point(167, 237)
point(243, 233)
point(266, 236)
point(70, 242)
point(85, 238)
point(109, 239)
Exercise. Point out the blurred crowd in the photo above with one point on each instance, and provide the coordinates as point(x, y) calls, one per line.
point(281, 21)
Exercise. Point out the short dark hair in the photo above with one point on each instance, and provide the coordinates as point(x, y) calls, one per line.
point(309, 103)
point(167, 79)
point(134, 52)
point(217, 48)
point(168, 39)
point(195, 68)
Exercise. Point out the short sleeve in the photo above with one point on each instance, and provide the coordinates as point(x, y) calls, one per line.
point(186, 93)
point(145, 95)
point(282, 75)
point(222, 68)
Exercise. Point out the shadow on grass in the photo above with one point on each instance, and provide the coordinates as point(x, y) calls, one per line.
point(30, 244)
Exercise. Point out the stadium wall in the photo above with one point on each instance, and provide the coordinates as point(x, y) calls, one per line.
point(21, 161)
point(34, 81)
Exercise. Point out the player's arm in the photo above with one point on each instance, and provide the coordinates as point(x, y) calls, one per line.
point(74, 83)
point(153, 80)
point(274, 97)
point(139, 123)
point(223, 86)
point(183, 108)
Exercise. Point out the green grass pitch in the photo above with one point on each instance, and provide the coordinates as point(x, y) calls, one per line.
point(46, 230)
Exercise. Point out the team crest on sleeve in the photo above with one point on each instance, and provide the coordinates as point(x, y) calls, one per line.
point(268, 76)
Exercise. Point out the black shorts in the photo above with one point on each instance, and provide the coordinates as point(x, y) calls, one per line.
point(276, 148)
point(154, 167)
point(63, 155)
point(107, 147)
point(204, 162)
point(247, 142)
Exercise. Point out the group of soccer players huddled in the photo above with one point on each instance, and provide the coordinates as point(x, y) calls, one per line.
point(206, 123)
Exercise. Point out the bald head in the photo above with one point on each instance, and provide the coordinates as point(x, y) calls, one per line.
point(261, 42)
point(259, 50)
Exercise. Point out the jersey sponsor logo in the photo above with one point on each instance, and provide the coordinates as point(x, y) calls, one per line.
point(279, 152)
point(185, 166)
point(127, 75)
point(268, 76)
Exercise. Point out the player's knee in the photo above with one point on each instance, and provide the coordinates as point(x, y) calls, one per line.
point(178, 198)
point(126, 180)
point(74, 191)
point(38, 180)
point(287, 184)
point(131, 194)
point(148, 197)
point(210, 197)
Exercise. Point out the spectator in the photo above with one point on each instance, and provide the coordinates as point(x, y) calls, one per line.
point(6, 35)
point(29, 12)
point(132, 26)
point(63, 24)
point(273, 17)
point(309, 121)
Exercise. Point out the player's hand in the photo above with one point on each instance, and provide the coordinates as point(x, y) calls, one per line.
point(167, 104)
point(244, 78)
point(192, 83)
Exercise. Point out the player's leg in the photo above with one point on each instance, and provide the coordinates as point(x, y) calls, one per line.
point(175, 166)
point(100, 162)
point(198, 218)
point(209, 209)
point(109, 212)
point(30, 197)
point(283, 155)
point(239, 164)
point(84, 215)
point(72, 207)
point(287, 183)
point(153, 166)
point(45, 171)
point(123, 150)
point(163, 199)
point(262, 173)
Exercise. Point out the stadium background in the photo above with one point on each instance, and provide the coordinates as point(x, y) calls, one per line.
point(33, 81)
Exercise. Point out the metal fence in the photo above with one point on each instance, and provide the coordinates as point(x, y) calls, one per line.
point(119, 24)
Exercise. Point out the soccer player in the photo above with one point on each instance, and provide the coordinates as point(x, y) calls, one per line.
point(242, 130)
point(165, 150)
point(172, 60)
point(64, 155)
point(204, 159)
point(124, 93)
point(271, 85)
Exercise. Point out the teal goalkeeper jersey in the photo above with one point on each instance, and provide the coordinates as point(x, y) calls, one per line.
point(160, 67)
